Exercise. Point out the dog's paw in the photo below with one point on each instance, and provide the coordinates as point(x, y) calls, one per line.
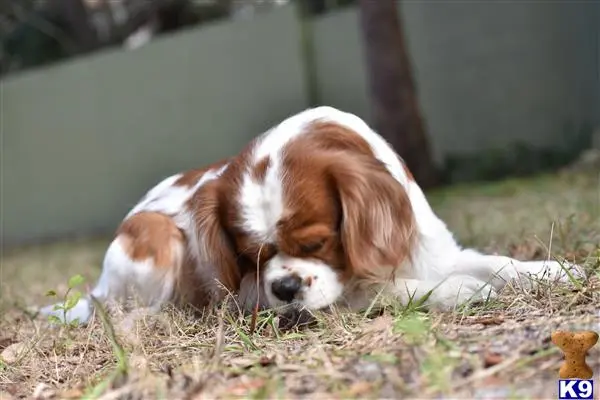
point(553, 271)
point(80, 313)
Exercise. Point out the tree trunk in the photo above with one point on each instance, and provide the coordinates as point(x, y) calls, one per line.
point(395, 109)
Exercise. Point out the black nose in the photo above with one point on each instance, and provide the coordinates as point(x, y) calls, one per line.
point(286, 288)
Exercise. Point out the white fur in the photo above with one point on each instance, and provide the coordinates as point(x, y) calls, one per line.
point(261, 205)
point(169, 199)
point(325, 287)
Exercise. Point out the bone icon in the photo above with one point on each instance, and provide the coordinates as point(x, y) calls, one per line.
point(575, 346)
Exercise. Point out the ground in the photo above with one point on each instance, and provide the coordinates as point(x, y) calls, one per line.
point(499, 349)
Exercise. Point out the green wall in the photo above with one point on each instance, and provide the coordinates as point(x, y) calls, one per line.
point(84, 140)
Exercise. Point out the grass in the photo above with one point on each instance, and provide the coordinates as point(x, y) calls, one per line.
point(500, 349)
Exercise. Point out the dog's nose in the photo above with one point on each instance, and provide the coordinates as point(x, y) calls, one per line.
point(285, 289)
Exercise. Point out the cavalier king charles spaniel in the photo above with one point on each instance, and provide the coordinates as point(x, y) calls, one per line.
point(317, 211)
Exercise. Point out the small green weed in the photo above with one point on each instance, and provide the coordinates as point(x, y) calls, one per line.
point(415, 327)
point(69, 301)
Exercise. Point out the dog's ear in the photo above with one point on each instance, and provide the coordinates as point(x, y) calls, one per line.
point(378, 226)
point(214, 247)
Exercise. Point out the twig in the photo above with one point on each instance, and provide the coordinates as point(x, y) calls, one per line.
point(257, 305)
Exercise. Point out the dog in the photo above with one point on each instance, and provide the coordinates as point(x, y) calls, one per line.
point(317, 211)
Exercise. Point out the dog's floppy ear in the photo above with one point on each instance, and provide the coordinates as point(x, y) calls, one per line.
point(378, 226)
point(214, 247)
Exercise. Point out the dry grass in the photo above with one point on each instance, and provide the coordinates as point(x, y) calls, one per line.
point(500, 349)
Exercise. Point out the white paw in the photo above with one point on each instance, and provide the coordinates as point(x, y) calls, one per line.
point(81, 312)
point(553, 271)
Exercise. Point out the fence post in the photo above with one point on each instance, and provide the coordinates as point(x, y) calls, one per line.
point(307, 51)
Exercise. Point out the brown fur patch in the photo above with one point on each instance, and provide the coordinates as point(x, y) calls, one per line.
point(191, 177)
point(208, 214)
point(150, 235)
point(260, 169)
point(331, 136)
point(308, 281)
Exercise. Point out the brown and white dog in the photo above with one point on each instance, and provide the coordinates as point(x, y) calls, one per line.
point(321, 207)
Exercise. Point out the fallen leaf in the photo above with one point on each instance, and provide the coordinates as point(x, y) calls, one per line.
point(43, 392)
point(265, 361)
point(380, 324)
point(360, 388)
point(70, 394)
point(6, 396)
point(491, 359)
point(12, 389)
point(13, 352)
point(5, 342)
point(492, 381)
point(243, 388)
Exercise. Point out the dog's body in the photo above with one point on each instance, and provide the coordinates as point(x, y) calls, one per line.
point(323, 209)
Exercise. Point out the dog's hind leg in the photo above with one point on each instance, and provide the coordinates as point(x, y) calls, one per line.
point(142, 264)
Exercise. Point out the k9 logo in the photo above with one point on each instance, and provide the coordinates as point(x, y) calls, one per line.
point(575, 389)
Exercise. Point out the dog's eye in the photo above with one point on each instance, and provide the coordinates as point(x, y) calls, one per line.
point(312, 246)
